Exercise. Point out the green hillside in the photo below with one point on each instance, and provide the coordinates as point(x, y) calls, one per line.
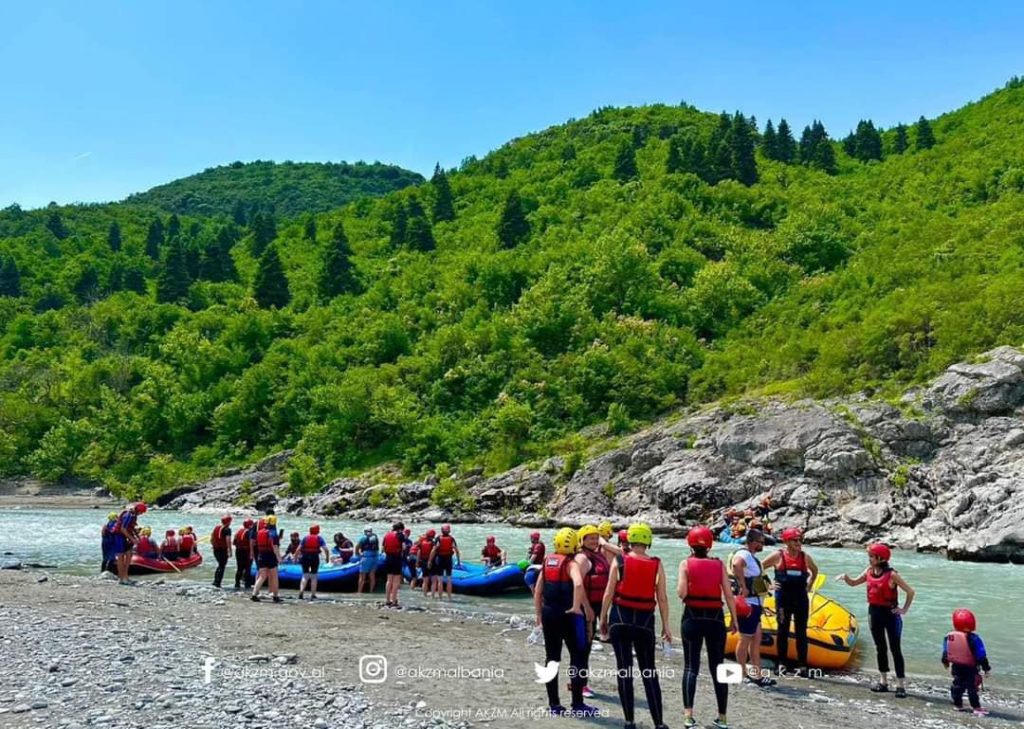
point(288, 188)
point(605, 270)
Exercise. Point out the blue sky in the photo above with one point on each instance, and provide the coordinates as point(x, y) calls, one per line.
point(102, 99)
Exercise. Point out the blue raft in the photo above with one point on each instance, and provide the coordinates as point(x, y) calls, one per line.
point(330, 578)
point(469, 578)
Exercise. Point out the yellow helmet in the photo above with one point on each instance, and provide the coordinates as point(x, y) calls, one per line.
point(146, 531)
point(271, 520)
point(112, 515)
point(640, 533)
point(566, 541)
point(605, 529)
point(585, 531)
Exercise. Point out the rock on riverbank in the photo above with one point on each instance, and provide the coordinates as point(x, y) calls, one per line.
point(942, 472)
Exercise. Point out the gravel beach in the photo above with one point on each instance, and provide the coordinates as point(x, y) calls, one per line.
point(85, 652)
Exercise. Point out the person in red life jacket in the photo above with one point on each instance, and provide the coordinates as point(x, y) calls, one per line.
point(750, 583)
point(343, 549)
point(635, 589)
point(442, 556)
point(170, 548)
point(126, 534)
point(243, 557)
point(310, 548)
point(595, 564)
point(220, 541)
point(492, 554)
point(293, 550)
point(423, 547)
point(146, 546)
point(703, 586)
point(393, 546)
point(963, 653)
point(795, 573)
point(623, 540)
point(186, 542)
point(537, 550)
point(409, 557)
point(107, 540)
point(562, 609)
point(268, 557)
point(886, 616)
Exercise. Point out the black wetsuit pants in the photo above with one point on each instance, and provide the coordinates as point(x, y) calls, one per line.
point(592, 635)
point(633, 630)
point(221, 555)
point(965, 678)
point(561, 627)
point(887, 624)
point(706, 627)
point(792, 605)
point(243, 575)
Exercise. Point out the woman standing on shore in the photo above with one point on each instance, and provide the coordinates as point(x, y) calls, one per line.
point(884, 584)
point(703, 584)
point(795, 574)
point(636, 586)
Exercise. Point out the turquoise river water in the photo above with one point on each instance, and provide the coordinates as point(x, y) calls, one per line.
point(68, 539)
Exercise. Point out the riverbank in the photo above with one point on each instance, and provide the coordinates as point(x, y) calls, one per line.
point(87, 652)
point(26, 493)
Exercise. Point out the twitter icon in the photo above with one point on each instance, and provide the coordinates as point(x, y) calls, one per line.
point(545, 673)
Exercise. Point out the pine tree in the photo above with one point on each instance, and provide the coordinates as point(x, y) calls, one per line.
point(173, 226)
point(825, 157)
point(115, 278)
point(925, 135)
point(193, 258)
point(899, 142)
point(569, 152)
point(513, 227)
point(639, 136)
point(338, 275)
point(309, 230)
point(785, 144)
point(155, 239)
point(850, 144)
point(719, 156)
point(419, 236)
point(674, 162)
point(238, 214)
point(172, 282)
point(135, 280)
point(693, 155)
point(114, 237)
point(743, 165)
point(399, 226)
point(264, 231)
point(444, 209)
point(806, 151)
point(10, 277)
point(625, 163)
point(217, 264)
point(55, 224)
point(270, 286)
point(86, 286)
point(769, 142)
point(868, 142)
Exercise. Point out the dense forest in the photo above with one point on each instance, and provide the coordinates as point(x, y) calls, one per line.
point(603, 271)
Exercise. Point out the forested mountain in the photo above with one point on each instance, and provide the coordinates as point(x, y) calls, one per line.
point(605, 270)
point(286, 189)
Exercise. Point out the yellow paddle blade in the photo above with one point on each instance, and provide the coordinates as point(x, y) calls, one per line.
point(819, 581)
point(207, 538)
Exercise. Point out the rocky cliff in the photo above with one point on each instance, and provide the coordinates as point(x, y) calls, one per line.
point(943, 472)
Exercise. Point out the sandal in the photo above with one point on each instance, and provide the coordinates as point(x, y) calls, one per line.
point(880, 688)
point(901, 693)
point(689, 723)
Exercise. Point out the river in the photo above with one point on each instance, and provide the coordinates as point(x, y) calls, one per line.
point(69, 540)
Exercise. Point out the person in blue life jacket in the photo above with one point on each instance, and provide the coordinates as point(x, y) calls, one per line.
point(126, 534)
point(368, 552)
point(963, 653)
point(107, 539)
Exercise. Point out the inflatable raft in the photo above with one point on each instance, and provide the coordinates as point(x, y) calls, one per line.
point(725, 536)
point(471, 578)
point(330, 578)
point(831, 634)
point(157, 565)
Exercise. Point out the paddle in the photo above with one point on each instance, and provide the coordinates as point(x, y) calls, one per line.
point(819, 582)
point(173, 566)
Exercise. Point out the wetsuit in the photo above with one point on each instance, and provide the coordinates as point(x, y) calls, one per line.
point(792, 604)
point(883, 598)
point(631, 628)
point(243, 560)
point(219, 540)
point(594, 583)
point(965, 653)
point(703, 623)
point(312, 546)
point(561, 627)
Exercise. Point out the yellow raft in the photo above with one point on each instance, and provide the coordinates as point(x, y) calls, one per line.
point(831, 633)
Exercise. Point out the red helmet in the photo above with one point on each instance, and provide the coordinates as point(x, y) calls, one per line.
point(963, 619)
point(881, 551)
point(791, 533)
point(743, 609)
point(445, 528)
point(490, 540)
point(169, 533)
point(315, 529)
point(140, 508)
point(624, 537)
point(226, 519)
point(431, 534)
point(261, 524)
point(534, 536)
point(294, 536)
point(700, 536)
point(247, 523)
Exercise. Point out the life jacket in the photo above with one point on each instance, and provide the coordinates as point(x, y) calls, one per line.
point(264, 542)
point(218, 539)
point(425, 545)
point(371, 544)
point(881, 591)
point(491, 552)
point(637, 584)
point(756, 586)
point(242, 540)
point(958, 649)
point(558, 587)
point(109, 529)
point(188, 544)
point(146, 547)
point(125, 521)
point(597, 579)
point(172, 545)
point(791, 574)
point(537, 552)
point(445, 545)
point(703, 583)
point(392, 543)
point(311, 544)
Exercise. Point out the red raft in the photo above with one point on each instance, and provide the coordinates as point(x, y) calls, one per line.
point(155, 565)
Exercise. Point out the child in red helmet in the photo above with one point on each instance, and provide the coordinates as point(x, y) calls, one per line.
point(963, 653)
point(492, 554)
point(537, 550)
